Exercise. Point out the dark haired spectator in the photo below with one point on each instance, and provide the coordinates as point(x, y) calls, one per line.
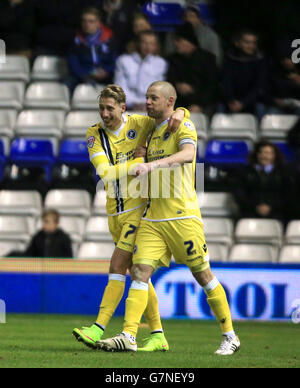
point(56, 25)
point(139, 23)
point(263, 185)
point(17, 23)
point(284, 88)
point(193, 71)
point(50, 242)
point(117, 15)
point(244, 76)
point(92, 57)
point(207, 38)
point(136, 71)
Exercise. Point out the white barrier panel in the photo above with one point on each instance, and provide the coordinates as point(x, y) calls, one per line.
point(254, 292)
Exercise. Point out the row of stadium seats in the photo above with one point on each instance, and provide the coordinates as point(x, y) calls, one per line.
point(73, 151)
point(217, 145)
point(80, 203)
point(95, 228)
point(48, 95)
point(17, 226)
point(55, 96)
point(239, 253)
point(43, 153)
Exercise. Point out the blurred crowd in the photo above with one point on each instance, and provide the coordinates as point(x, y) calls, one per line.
point(241, 63)
point(232, 66)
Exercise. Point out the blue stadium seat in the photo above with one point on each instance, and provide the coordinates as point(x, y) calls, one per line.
point(288, 153)
point(2, 158)
point(163, 16)
point(73, 152)
point(33, 153)
point(226, 152)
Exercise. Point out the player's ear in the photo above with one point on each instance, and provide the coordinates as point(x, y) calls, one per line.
point(123, 106)
point(171, 101)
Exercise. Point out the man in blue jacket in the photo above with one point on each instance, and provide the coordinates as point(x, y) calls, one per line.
point(91, 58)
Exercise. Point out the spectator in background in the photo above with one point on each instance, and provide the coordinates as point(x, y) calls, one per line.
point(193, 71)
point(117, 15)
point(17, 24)
point(139, 24)
point(56, 26)
point(207, 38)
point(92, 57)
point(135, 72)
point(284, 85)
point(244, 77)
point(50, 242)
point(262, 186)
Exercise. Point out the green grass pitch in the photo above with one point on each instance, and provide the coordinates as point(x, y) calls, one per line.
point(45, 341)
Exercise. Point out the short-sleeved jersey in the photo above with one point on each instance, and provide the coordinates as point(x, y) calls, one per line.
point(111, 150)
point(172, 193)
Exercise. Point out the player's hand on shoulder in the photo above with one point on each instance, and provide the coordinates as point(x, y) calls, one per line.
point(175, 120)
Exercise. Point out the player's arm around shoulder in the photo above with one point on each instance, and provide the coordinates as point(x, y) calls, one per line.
point(148, 123)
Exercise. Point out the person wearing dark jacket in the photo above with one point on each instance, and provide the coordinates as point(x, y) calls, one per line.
point(91, 58)
point(193, 71)
point(263, 186)
point(17, 24)
point(284, 83)
point(56, 22)
point(50, 242)
point(244, 77)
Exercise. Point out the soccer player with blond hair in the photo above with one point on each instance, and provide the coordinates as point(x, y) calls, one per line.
point(111, 145)
point(170, 225)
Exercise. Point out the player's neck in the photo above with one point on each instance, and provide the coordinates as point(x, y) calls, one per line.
point(117, 125)
point(165, 117)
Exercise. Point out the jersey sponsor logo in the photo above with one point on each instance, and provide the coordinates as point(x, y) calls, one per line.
point(131, 134)
point(91, 141)
point(189, 125)
point(119, 141)
point(167, 135)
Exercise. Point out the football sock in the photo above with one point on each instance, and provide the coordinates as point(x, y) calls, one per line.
point(100, 326)
point(111, 298)
point(152, 312)
point(217, 300)
point(136, 304)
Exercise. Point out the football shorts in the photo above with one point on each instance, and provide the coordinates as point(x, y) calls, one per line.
point(156, 242)
point(123, 228)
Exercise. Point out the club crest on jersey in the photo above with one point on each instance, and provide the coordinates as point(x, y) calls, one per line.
point(131, 134)
point(90, 142)
point(167, 135)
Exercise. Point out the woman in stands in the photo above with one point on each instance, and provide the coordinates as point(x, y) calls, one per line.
point(264, 184)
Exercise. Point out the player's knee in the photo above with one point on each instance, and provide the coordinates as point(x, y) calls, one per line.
point(118, 268)
point(204, 277)
point(140, 273)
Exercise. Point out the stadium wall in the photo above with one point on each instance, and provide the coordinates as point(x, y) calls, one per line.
point(255, 291)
